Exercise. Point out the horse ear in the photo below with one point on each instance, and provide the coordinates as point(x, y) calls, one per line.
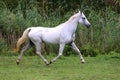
point(79, 11)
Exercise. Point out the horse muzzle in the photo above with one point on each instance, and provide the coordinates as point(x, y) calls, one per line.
point(87, 25)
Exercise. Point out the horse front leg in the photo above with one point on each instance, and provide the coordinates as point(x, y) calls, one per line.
point(78, 51)
point(61, 48)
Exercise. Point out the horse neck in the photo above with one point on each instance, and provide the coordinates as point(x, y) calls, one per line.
point(72, 23)
point(71, 26)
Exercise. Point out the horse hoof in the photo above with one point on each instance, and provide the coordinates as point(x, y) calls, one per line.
point(17, 62)
point(47, 63)
point(83, 62)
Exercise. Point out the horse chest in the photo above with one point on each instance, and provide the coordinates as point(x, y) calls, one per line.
point(67, 38)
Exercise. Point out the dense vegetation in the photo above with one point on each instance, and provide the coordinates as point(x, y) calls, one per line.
point(102, 37)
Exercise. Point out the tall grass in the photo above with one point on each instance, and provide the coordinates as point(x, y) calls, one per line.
point(101, 37)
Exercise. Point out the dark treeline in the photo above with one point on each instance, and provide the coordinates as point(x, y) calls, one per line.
point(102, 37)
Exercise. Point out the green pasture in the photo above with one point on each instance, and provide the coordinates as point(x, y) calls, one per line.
point(102, 67)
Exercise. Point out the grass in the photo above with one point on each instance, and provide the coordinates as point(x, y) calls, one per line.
point(103, 67)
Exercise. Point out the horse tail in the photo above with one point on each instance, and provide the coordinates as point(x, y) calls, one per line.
point(22, 39)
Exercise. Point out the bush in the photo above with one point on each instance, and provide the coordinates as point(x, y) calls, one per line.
point(90, 51)
point(101, 37)
point(3, 47)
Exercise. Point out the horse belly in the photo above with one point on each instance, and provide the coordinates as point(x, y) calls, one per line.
point(52, 38)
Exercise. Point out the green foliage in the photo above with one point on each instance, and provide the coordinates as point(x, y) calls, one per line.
point(68, 51)
point(3, 47)
point(88, 50)
point(101, 37)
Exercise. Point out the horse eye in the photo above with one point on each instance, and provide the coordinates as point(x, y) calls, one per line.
point(83, 18)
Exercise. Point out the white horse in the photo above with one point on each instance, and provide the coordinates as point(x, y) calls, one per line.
point(62, 34)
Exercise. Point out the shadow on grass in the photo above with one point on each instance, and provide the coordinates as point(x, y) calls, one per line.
point(115, 57)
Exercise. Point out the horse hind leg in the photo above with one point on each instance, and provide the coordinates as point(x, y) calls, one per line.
point(24, 49)
point(38, 52)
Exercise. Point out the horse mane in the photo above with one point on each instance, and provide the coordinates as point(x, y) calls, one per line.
point(73, 17)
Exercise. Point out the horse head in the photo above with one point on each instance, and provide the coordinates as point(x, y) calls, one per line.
point(83, 20)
